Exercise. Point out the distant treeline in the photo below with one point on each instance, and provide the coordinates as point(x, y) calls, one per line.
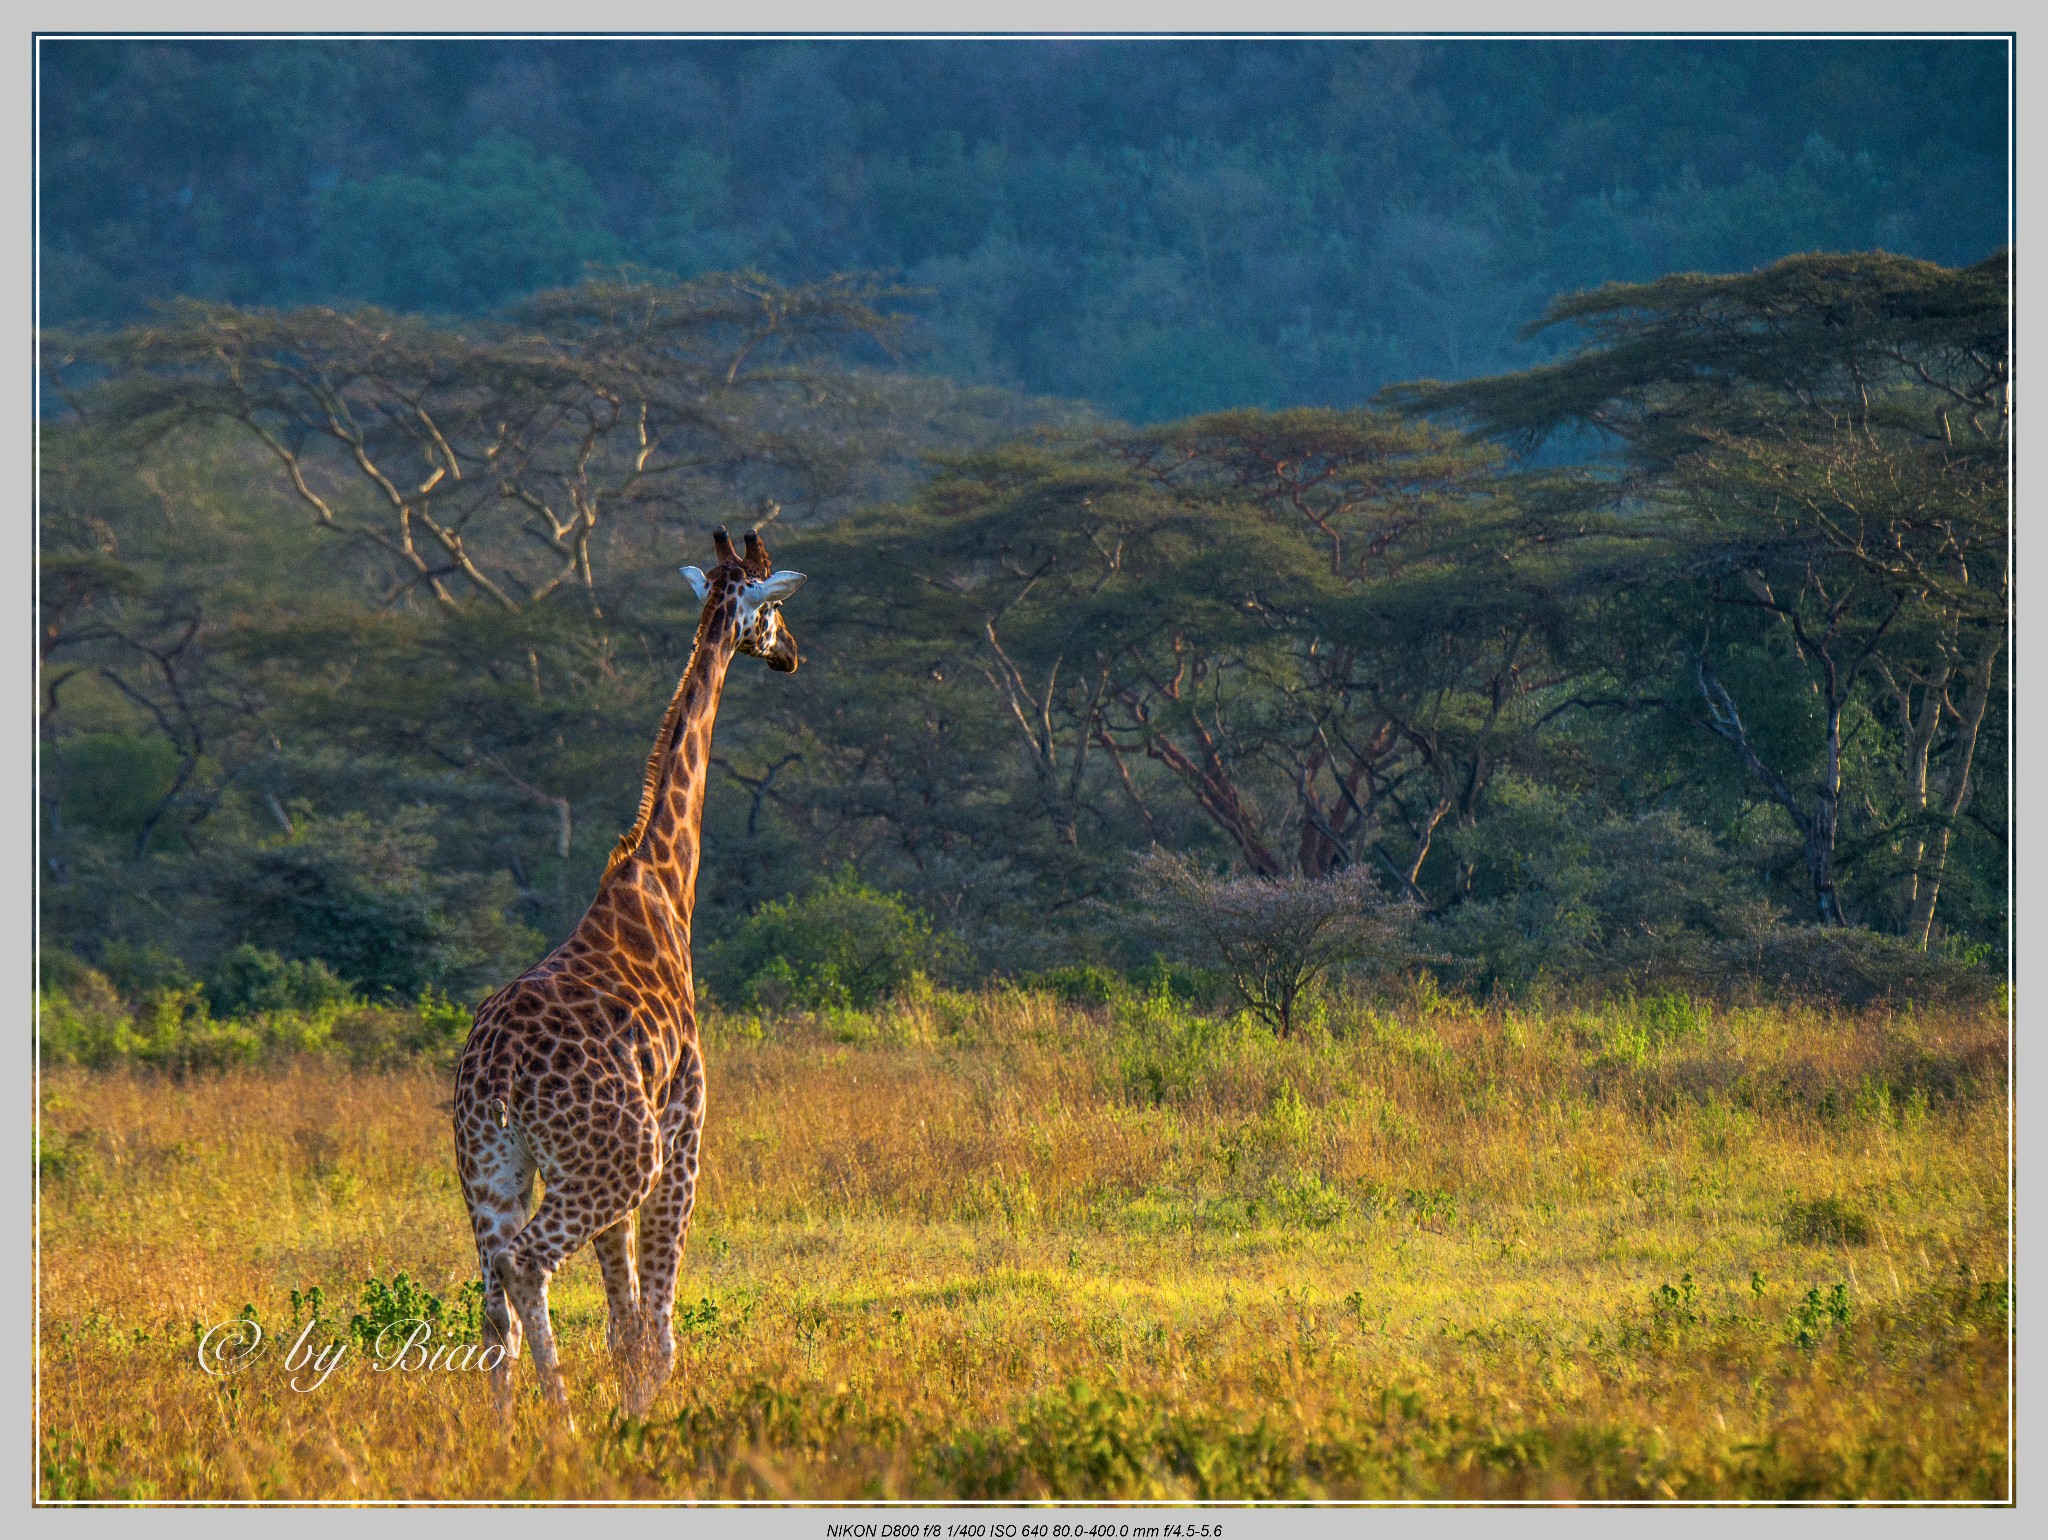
point(1159, 228)
point(357, 627)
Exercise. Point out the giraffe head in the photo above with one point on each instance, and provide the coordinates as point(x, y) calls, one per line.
point(746, 593)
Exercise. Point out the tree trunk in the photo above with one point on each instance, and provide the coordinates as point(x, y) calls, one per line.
point(1919, 730)
point(1970, 722)
point(1818, 826)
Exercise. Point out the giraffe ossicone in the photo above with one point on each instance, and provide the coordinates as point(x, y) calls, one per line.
point(586, 1071)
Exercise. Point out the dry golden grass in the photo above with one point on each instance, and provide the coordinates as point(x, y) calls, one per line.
point(994, 1246)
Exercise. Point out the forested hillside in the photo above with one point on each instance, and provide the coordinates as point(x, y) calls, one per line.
point(1159, 228)
point(356, 629)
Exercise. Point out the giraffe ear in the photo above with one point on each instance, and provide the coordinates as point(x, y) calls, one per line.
point(695, 578)
point(772, 589)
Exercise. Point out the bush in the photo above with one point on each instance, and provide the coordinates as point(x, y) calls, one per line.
point(842, 946)
point(1085, 984)
point(1566, 892)
point(1273, 939)
point(82, 1018)
point(85, 1021)
point(362, 898)
point(250, 981)
point(1857, 967)
point(141, 971)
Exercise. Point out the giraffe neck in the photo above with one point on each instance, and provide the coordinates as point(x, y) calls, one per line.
point(657, 858)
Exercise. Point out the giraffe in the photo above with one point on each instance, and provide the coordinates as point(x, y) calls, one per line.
point(586, 1069)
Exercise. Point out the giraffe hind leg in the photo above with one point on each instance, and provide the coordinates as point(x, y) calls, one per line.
point(571, 1213)
point(501, 1329)
point(624, 1334)
point(664, 1227)
point(499, 1193)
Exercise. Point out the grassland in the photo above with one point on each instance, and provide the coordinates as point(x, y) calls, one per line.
point(996, 1246)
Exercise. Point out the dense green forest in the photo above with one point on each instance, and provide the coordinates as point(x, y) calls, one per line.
point(1664, 647)
point(1160, 228)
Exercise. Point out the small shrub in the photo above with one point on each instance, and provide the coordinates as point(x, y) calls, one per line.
point(1668, 1016)
point(177, 1033)
point(1082, 1443)
point(1859, 967)
point(392, 1307)
point(82, 1019)
point(1082, 985)
point(59, 1157)
point(1164, 1049)
point(1306, 1201)
point(1274, 940)
point(1826, 1222)
point(1675, 1307)
point(443, 1023)
point(62, 972)
point(1434, 1209)
point(249, 981)
point(844, 946)
point(385, 1037)
point(1814, 1316)
point(1289, 1120)
point(139, 971)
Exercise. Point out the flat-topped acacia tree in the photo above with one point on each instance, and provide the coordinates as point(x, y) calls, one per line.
point(1324, 630)
point(479, 459)
point(1820, 448)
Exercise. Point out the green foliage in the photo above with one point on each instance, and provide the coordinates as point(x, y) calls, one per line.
point(1081, 984)
point(1079, 1443)
point(1306, 1200)
point(841, 945)
point(1766, 431)
point(1396, 210)
point(1165, 1051)
point(444, 1023)
point(173, 1027)
point(114, 781)
point(391, 1310)
point(1817, 1315)
point(139, 970)
point(1857, 967)
point(1275, 940)
point(1322, 647)
point(1675, 1308)
point(249, 981)
point(362, 897)
point(1564, 890)
point(497, 222)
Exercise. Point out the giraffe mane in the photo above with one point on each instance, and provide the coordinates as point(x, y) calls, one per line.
point(658, 755)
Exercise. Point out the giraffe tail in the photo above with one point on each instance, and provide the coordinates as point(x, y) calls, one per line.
point(494, 1085)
